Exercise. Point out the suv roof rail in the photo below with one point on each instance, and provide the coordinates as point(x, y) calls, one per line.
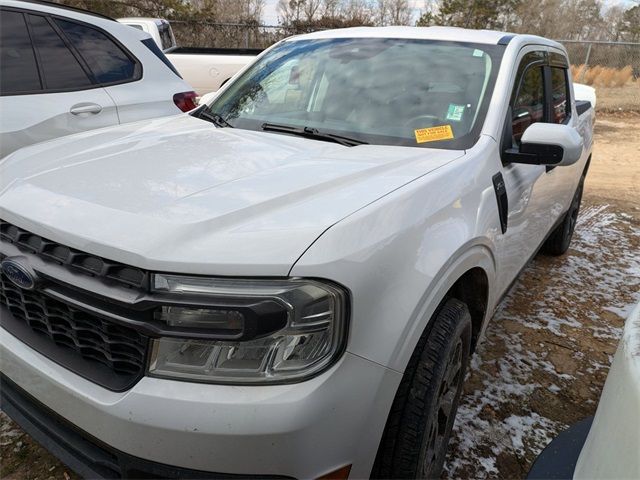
point(50, 3)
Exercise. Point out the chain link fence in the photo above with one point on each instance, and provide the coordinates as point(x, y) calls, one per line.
point(228, 35)
point(612, 68)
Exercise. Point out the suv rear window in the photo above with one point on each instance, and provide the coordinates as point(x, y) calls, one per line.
point(107, 61)
point(19, 72)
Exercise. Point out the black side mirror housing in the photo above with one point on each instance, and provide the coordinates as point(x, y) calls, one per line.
point(535, 154)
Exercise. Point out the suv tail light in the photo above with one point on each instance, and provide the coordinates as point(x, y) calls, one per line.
point(185, 101)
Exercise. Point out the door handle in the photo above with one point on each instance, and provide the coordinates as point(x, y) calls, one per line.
point(86, 109)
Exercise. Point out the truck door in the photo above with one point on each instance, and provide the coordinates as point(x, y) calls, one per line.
point(563, 180)
point(527, 190)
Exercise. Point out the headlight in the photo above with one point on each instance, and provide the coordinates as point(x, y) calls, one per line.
point(247, 331)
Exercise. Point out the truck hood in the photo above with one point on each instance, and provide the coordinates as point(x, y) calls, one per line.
point(177, 194)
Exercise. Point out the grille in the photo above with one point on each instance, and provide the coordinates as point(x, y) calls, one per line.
point(76, 260)
point(90, 339)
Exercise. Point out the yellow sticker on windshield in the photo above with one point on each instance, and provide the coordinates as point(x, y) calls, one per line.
point(433, 134)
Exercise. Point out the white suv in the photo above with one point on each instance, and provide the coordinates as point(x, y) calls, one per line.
point(64, 71)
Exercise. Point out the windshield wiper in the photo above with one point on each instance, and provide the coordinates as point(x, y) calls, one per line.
point(314, 133)
point(214, 118)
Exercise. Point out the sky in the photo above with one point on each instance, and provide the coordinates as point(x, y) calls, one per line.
point(270, 12)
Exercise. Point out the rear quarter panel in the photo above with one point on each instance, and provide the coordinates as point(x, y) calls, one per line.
point(152, 95)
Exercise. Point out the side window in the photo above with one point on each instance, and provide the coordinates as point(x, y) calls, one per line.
point(559, 95)
point(19, 72)
point(165, 36)
point(60, 67)
point(528, 103)
point(107, 61)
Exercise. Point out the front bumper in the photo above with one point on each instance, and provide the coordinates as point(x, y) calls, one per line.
point(82, 453)
point(301, 430)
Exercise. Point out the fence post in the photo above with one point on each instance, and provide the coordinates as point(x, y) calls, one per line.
point(586, 63)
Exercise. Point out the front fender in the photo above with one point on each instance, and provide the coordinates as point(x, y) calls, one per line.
point(474, 255)
point(399, 257)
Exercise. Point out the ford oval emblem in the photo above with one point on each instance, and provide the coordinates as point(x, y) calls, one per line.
point(17, 270)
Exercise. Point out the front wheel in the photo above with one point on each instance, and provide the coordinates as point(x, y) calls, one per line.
point(415, 440)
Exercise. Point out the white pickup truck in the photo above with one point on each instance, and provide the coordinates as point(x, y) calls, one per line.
point(206, 69)
point(290, 280)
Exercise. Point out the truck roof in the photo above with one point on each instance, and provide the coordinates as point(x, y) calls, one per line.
point(490, 37)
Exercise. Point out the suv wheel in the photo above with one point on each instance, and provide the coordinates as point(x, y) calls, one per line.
point(415, 440)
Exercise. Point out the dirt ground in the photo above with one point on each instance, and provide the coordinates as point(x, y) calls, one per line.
point(548, 348)
point(617, 99)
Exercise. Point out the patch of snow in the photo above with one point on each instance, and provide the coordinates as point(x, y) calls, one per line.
point(493, 419)
point(553, 388)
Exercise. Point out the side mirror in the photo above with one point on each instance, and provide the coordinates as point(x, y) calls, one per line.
point(550, 144)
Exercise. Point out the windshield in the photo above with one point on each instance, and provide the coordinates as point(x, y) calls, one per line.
point(375, 90)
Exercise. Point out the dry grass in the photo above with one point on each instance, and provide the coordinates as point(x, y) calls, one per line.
point(598, 76)
point(616, 89)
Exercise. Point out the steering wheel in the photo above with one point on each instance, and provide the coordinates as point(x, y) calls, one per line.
point(432, 119)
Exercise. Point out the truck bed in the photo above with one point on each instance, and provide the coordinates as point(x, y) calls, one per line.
point(214, 51)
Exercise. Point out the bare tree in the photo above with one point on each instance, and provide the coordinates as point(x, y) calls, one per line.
point(613, 21)
point(331, 8)
point(549, 18)
point(358, 10)
point(289, 11)
point(393, 12)
point(241, 11)
point(560, 19)
point(311, 9)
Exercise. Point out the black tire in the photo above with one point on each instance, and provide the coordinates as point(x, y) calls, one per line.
point(560, 239)
point(416, 436)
